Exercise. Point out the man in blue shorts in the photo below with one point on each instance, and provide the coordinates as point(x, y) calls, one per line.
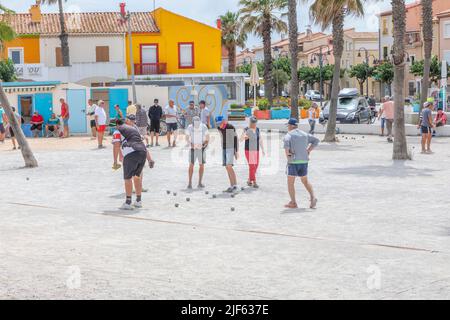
point(298, 145)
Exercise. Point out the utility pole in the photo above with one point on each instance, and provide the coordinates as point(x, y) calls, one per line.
point(321, 55)
point(126, 18)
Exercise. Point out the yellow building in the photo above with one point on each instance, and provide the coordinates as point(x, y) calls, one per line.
point(181, 45)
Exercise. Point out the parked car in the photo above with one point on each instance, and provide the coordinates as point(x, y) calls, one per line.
point(313, 95)
point(350, 109)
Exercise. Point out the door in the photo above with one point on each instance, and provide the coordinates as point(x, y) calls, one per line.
point(76, 99)
point(43, 103)
point(120, 97)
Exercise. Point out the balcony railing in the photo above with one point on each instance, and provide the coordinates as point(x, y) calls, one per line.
point(150, 68)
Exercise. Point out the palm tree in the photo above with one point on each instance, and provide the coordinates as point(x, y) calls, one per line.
point(293, 49)
point(400, 151)
point(427, 21)
point(332, 13)
point(232, 37)
point(7, 34)
point(64, 37)
point(262, 17)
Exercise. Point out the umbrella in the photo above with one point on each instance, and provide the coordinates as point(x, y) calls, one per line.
point(254, 81)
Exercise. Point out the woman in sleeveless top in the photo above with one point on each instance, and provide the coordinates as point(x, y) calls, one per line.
point(253, 145)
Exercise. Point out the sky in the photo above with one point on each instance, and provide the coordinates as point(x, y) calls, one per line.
point(206, 11)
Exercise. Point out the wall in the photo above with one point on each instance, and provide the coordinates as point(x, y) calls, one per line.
point(82, 48)
point(174, 29)
point(30, 45)
point(147, 94)
point(445, 42)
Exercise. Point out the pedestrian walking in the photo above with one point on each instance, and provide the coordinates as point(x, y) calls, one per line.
point(298, 146)
point(230, 152)
point(155, 114)
point(312, 117)
point(253, 146)
point(198, 138)
point(387, 110)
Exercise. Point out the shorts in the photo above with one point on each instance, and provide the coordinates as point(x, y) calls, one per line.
point(142, 131)
point(2, 128)
point(66, 122)
point(171, 127)
point(93, 124)
point(197, 155)
point(133, 164)
point(228, 157)
point(425, 130)
point(297, 169)
point(51, 128)
point(101, 128)
point(383, 123)
point(155, 126)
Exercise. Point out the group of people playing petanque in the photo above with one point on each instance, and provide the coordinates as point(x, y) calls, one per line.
point(130, 148)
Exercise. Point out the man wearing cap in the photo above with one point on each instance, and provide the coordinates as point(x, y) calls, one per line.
point(298, 145)
point(130, 149)
point(253, 145)
point(198, 137)
point(387, 110)
point(171, 114)
point(155, 114)
point(426, 126)
point(230, 152)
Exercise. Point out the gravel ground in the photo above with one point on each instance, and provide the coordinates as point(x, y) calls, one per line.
point(381, 229)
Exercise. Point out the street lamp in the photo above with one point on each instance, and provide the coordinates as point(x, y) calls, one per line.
point(276, 51)
point(126, 18)
point(367, 57)
point(324, 51)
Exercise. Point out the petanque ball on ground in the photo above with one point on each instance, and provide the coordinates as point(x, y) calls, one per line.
point(206, 192)
point(188, 199)
point(214, 196)
point(28, 178)
point(175, 194)
point(168, 192)
point(242, 188)
point(232, 209)
point(176, 205)
point(232, 195)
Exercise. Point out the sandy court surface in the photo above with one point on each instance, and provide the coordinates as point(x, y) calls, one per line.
point(381, 229)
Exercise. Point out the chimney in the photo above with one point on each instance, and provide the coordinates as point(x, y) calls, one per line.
point(219, 24)
point(309, 32)
point(35, 11)
point(123, 12)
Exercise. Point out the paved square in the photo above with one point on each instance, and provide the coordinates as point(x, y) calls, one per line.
point(381, 229)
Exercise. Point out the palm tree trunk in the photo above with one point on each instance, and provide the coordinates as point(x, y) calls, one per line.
point(232, 59)
point(427, 18)
point(293, 48)
point(400, 151)
point(64, 37)
point(338, 48)
point(28, 157)
point(267, 42)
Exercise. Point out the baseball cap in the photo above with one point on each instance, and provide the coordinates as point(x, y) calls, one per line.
point(253, 119)
point(292, 122)
point(131, 117)
point(427, 104)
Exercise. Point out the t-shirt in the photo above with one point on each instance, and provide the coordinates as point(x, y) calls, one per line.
point(191, 113)
point(388, 108)
point(37, 119)
point(171, 111)
point(229, 137)
point(197, 136)
point(53, 122)
point(297, 142)
point(312, 114)
point(204, 114)
point(155, 113)
point(131, 110)
point(252, 143)
point(64, 111)
point(2, 112)
point(441, 116)
point(130, 139)
point(91, 111)
point(426, 115)
point(101, 114)
point(141, 118)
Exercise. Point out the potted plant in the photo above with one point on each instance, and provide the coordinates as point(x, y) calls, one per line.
point(263, 112)
point(248, 108)
point(304, 106)
point(281, 109)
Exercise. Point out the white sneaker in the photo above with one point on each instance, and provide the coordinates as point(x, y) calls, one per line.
point(137, 204)
point(126, 206)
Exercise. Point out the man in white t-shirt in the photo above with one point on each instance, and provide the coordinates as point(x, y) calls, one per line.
point(90, 114)
point(198, 137)
point(171, 114)
point(100, 122)
point(205, 114)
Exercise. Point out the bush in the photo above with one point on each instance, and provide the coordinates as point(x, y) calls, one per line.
point(7, 71)
point(304, 104)
point(263, 104)
point(236, 106)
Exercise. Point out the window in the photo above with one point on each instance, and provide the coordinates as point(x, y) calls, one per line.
point(58, 55)
point(102, 53)
point(447, 30)
point(385, 53)
point(149, 53)
point(16, 55)
point(447, 56)
point(411, 88)
point(412, 59)
point(186, 55)
point(385, 27)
